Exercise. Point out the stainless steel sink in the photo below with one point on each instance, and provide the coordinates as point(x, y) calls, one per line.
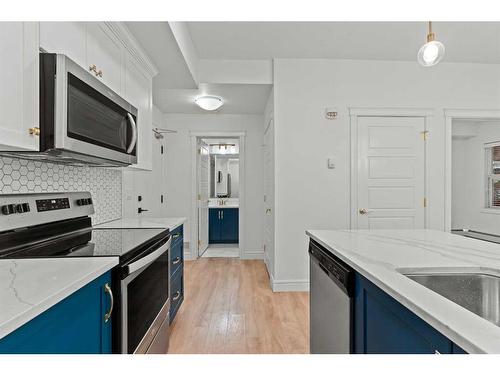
point(477, 292)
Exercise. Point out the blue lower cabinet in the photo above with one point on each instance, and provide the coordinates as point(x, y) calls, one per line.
point(384, 326)
point(176, 293)
point(176, 271)
point(76, 325)
point(223, 225)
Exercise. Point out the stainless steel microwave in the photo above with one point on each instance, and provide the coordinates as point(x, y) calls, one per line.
point(82, 121)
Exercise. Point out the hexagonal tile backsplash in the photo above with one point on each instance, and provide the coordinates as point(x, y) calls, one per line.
point(26, 176)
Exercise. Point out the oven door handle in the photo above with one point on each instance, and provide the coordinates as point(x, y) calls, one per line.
point(133, 141)
point(148, 259)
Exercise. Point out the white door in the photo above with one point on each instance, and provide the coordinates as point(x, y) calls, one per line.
point(391, 173)
point(203, 195)
point(269, 197)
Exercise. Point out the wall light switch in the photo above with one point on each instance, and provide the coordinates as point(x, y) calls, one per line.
point(331, 163)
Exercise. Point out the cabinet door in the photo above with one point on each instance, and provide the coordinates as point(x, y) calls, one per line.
point(384, 326)
point(19, 85)
point(105, 52)
point(229, 225)
point(214, 225)
point(76, 325)
point(138, 90)
point(68, 38)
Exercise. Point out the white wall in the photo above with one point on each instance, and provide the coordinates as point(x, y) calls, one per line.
point(468, 179)
point(179, 168)
point(148, 184)
point(308, 195)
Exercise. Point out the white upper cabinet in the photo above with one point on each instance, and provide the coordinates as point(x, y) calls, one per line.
point(105, 53)
point(138, 91)
point(19, 85)
point(108, 46)
point(68, 38)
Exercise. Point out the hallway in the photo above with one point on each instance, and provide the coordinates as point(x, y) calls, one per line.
point(230, 308)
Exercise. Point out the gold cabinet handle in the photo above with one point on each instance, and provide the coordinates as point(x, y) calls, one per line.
point(268, 211)
point(176, 260)
point(108, 291)
point(93, 68)
point(176, 296)
point(34, 131)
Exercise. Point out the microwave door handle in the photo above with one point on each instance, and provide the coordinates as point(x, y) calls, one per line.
point(148, 259)
point(133, 141)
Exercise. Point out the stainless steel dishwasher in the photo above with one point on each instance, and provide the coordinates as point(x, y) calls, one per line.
point(331, 303)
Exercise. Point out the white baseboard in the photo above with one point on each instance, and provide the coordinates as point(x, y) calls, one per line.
point(187, 252)
point(252, 255)
point(289, 285)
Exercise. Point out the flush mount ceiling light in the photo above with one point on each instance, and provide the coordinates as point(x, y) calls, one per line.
point(431, 52)
point(209, 102)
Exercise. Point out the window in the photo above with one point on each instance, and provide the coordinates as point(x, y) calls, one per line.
point(493, 176)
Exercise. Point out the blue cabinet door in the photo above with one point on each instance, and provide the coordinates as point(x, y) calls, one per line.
point(230, 225)
point(75, 325)
point(214, 225)
point(384, 326)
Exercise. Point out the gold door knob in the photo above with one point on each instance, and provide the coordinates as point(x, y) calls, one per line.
point(34, 131)
point(363, 211)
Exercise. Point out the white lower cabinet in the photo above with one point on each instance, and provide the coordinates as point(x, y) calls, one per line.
point(19, 85)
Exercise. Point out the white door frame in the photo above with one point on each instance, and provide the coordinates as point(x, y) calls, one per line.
point(194, 135)
point(354, 113)
point(449, 116)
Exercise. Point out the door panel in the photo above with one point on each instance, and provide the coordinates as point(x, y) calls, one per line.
point(203, 196)
point(214, 226)
point(268, 219)
point(229, 225)
point(68, 38)
point(391, 173)
point(106, 53)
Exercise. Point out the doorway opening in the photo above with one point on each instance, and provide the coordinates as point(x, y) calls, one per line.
point(219, 193)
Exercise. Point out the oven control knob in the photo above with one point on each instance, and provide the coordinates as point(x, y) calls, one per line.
point(19, 208)
point(8, 209)
point(80, 202)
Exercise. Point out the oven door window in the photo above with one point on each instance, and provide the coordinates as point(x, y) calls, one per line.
point(94, 118)
point(146, 295)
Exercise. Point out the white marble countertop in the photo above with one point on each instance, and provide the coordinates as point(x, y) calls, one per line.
point(28, 287)
point(147, 222)
point(382, 256)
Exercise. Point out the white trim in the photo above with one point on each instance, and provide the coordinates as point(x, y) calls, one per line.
point(354, 113)
point(194, 135)
point(253, 255)
point(289, 285)
point(391, 111)
point(451, 114)
point(121, 31)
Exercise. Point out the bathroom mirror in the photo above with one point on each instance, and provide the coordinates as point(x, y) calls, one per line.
point(224, 176)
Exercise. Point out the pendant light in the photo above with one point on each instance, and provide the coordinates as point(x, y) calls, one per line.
point(431, 52)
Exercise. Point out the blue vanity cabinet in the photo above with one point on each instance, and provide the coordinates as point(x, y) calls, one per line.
point(223, 225)
point(384, 326)
point(75, 325)
point(176, 271)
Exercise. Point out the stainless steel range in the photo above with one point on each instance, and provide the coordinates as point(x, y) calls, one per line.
point(59, 225)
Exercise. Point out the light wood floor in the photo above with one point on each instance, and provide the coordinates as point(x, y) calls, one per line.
point(229, 308)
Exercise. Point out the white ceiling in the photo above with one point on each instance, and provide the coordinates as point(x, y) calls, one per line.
point(238, 98)
point(158, 42)
point(464, 41)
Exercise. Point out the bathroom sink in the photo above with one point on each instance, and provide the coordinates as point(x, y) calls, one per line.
point(477, 292)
